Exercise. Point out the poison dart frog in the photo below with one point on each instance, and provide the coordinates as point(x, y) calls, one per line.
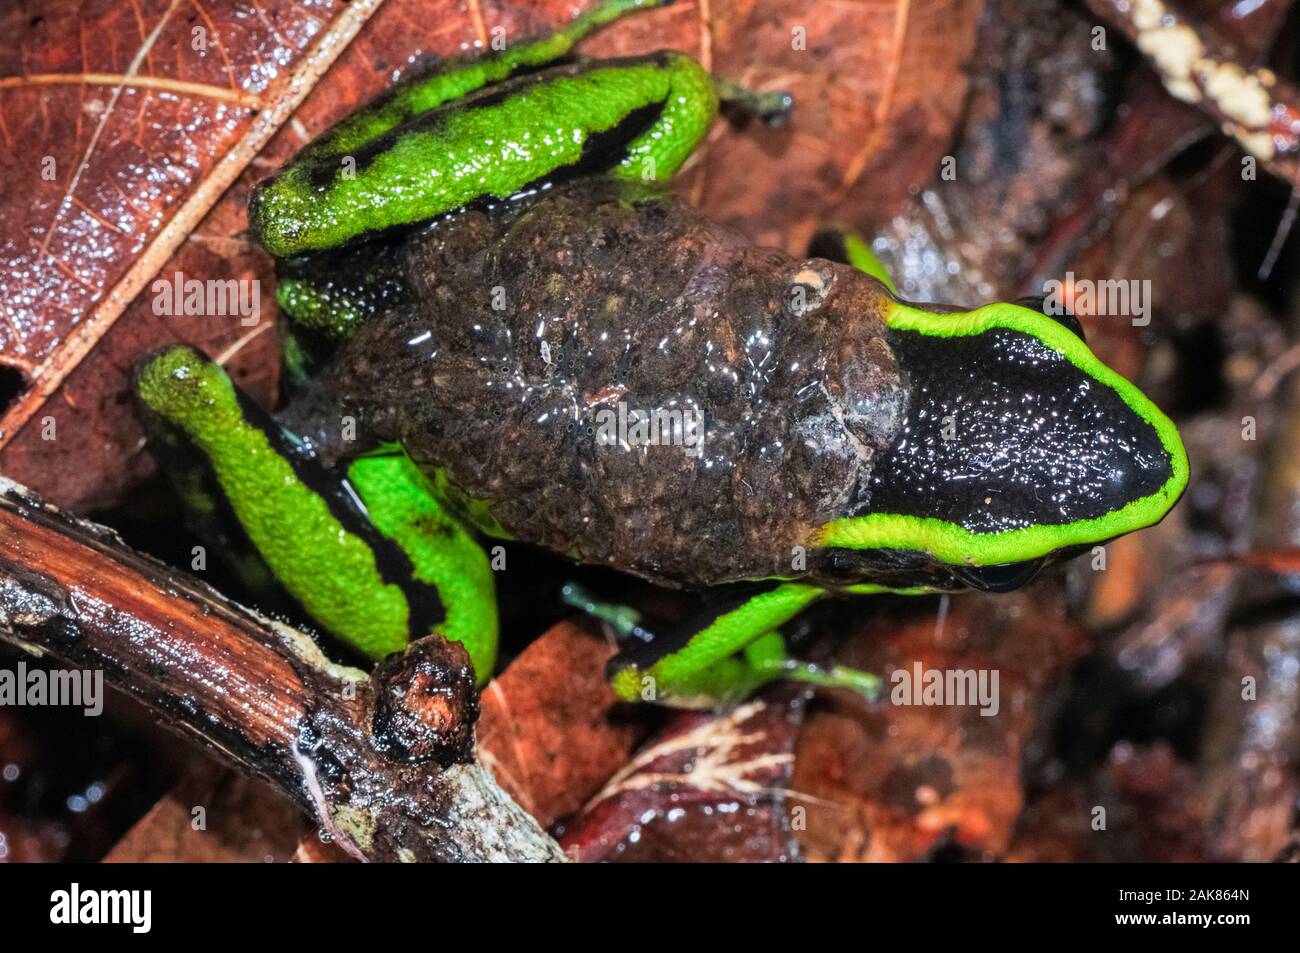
point(505, 326)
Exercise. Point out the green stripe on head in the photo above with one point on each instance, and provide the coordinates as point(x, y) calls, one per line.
point(952, 543)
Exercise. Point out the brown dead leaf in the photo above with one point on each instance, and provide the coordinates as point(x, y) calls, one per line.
point(893, 782)
point(133, 132)
point(878, 87)
point(711, 786)
point(215, 816)
point(549, 728)
point(1153, 814)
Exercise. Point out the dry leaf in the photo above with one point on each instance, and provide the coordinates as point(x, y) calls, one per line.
point(550, 729)
point(709, 787)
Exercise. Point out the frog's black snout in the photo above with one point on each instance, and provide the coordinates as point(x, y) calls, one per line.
point(1006, 432)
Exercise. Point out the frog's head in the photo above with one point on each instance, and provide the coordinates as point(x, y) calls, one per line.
point(1017, 447)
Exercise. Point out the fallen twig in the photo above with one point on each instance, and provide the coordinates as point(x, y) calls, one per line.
point(383, 763)
point(1253, 106)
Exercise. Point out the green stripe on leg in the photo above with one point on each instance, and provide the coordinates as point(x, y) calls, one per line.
point(330, 571)
point(460, 76)
point(448, 158)
point(740, 651)
point(442, 553)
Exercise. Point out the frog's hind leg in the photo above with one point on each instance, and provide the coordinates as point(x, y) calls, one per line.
point(371, 557)
point(442, 551)
point(638, 118)
point(728, 651)
point(462, 75)
point(327, 295)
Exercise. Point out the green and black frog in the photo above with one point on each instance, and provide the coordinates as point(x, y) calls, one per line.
point(482, 269)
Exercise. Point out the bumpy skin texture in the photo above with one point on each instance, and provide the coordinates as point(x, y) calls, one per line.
point(638, 299)
point(650, 110)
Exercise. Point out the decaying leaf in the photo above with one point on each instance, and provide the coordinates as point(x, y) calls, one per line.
point(550, 729)
point(708, 787)
point(895, 781)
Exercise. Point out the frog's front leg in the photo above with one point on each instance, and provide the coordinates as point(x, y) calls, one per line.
point(372, 557)
point(849, 248)
point(726, 652)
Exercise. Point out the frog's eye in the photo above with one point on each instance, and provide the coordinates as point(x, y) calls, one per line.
point(1056, 312)
point(1002, 578)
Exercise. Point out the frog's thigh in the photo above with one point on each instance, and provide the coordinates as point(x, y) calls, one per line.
point(712, 665)
point(640, 117)
point(461, 76)
point(355, 581)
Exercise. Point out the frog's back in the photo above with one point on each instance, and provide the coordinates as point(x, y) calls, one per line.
point(540, 332)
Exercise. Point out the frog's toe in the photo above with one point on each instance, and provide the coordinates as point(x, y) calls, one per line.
point(621, 623)
point(176, 382)
point(281, 211)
